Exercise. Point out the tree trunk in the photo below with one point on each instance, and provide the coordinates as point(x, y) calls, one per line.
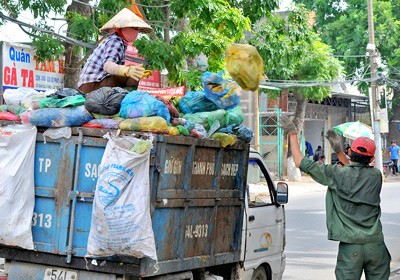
point(167, 23)
point(152, 34)
point(72, 67)
point(73, 55)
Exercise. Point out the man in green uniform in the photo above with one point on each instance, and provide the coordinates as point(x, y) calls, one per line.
point(352, 205)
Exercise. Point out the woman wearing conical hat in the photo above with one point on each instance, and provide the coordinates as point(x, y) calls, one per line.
point(105, 66)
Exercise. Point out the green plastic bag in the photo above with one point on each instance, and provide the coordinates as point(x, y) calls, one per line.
point(69, 101)
point(207, 119)
point(15, 109)
point(141, 146)
point(234, 116)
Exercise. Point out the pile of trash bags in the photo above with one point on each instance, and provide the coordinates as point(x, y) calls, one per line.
point(212, 113)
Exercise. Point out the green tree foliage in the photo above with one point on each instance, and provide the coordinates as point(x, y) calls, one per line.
point(255, 9)
point(197, 27)
point(39, 9)
point(291, 50)
point(344, 26)
point(182, 31)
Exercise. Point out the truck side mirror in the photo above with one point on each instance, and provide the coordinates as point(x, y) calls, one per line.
point(282, 193)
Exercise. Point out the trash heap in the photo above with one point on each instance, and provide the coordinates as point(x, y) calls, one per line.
point(212, 113)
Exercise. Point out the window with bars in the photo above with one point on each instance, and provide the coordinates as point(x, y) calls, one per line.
point(269, 125)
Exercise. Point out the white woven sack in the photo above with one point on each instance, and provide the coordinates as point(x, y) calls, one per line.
point(121, 222)
point(17, 190)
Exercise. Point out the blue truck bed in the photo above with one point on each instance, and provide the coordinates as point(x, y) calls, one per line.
point(197, 192)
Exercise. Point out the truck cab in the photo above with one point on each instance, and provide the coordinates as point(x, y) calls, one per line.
point(263, 237)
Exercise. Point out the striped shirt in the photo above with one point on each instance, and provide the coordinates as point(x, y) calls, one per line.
point(111, 49)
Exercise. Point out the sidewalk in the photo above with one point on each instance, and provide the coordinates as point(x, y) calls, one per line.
point(392, 178)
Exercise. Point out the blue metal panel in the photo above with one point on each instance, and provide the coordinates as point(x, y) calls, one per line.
point(177, 159)
point(82, 227)
point(168, 244)
point(53, 182)
point(47, 164)
point(198, 190)
point(91, 154)
point(198, 232)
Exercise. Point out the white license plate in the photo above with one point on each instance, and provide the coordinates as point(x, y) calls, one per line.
point(53, 273)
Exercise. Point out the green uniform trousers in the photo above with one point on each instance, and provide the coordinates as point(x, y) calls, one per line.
point(353, 259)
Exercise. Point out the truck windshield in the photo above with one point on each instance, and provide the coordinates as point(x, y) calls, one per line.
point(259, 193)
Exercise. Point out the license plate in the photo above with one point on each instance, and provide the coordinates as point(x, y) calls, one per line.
point(53, 273)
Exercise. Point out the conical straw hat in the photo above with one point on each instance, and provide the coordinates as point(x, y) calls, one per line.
point(126, 18)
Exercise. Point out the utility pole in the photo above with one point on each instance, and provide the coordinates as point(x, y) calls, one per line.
point(374, 105)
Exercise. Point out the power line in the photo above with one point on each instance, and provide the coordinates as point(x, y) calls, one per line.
point(351, 55)
point(398, 71)
point(313, 81)
point(341, 55)
point(150, 22)
point(354, 77)
point(394, 85)
point(316, 83)
point(141, 5)
point(62, 38)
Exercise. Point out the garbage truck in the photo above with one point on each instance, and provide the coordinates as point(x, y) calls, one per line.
point(216, 213)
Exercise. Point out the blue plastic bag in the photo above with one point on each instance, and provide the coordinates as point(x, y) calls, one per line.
point(242, 132)
point(58, 117)
point(194, 102)
point(224, 93)
point(141, 104)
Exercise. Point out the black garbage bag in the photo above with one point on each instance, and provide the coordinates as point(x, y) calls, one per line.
point(65, 92)
point(105, 100)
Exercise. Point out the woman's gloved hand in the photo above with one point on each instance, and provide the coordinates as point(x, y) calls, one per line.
point(136, 72)
point(133, 71)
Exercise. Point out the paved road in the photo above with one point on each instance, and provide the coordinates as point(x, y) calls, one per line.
point(310, 255)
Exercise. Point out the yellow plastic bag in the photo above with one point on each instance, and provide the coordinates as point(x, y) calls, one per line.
point(152, 124)
point(245, 65)
point(225, 138)
point(172, 130)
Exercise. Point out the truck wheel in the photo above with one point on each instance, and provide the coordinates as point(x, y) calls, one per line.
point(259, 274)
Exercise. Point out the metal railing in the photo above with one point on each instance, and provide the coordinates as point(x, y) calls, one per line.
point(271, 140)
